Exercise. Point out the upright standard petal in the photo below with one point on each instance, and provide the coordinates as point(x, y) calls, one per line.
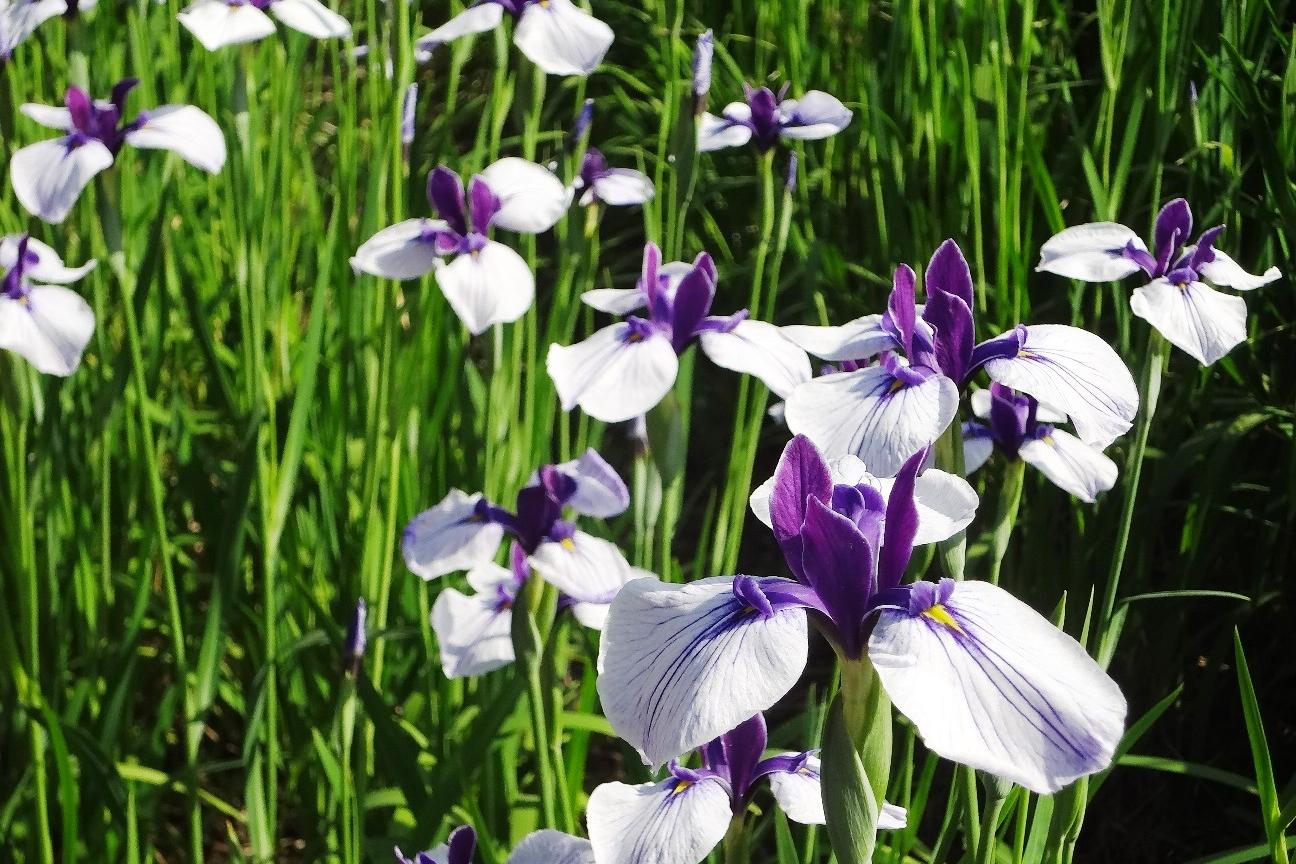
point(1071, 464)
point(757, 348)
point(614, 375)
point(48, 177)
point(451, 536)
point(872, 414)
point(860, 339)
point(990, 683)
point(680, 665)
point(673, 821)
point(312, 18)
point(475, 19)
point(473, 632)
point(184, 130)
point(1074, 371)
point(1224, 271)
point(49, 326)
point(406, 250)
point(1094, 252)
point(815, 115)
point(1193, 316)
point(490, 286)
point(622, 187)
point(216, 23)
point(552, 847)
point(531, 198)
point(48, 266)
point(729, 130)
point(561, 38)
point(584, 567)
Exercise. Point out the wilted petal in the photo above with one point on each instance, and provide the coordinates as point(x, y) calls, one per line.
point(613, 375)
point(561, 38)
point(406, 250)
point(216, 23)
point(490, 286)
point(1224, 271)
point(1071, 464)
point(680, 665)
point(757, 348)
point(1093, 253)
point(552, 847)
point(622, 187)
point(729, 130)
point(49, 176)
point(856, 340)
point(473, 632)
point(672, 821)
point(475, 19)
point(583, 567)
point(531, 198)
point(1195, 317)
point(49, 266)
point(55, 117)
point(615, 301)
point(990, 683)
point(451, 536)
point(49, 326)
point(815, 115)
point(312, 18)
point(184, 130)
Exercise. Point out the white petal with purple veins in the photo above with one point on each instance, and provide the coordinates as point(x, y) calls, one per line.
point(680, 665)
point(449, 537)
point(855, 340)
point(47, 177)
point(613, 375)
point(600, 491)
point(312, 18)
point(990, 683)
point(1092, 252)
point(1228, 273)
point(583, 567)
point(757, 348)
point(474, 19)
point(551, 847)
point(727, 130)
point(49, 266)
point(799, 793)
point(474, 632)
point(401, 251)
point(615, 301)
point(216, 23)
point(532, 199)
point(49, 326)
point(1194, 317)
point(561, 38)
point(55, 117)
point(815, 115)
point(668, 822)
point(184, 130)
point(1071, 464)
point(493, 285)
point(623, 187)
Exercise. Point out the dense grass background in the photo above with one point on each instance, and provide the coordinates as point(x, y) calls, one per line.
point(186, 523)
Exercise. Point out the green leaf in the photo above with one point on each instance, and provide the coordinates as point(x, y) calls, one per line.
point(850, 804)
point(1270, 812)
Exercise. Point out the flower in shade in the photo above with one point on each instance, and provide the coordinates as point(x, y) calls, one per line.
point(357, 639)
point(539, 847)
point(885, 412)
point(458, 849)
point(681, 818)
point(217, 23)
point(485, 281)
point(1189, 313)
point(984, 678)
point(615, 187)
point(624, 369)
point(48, 177)
point(20, 18)
point(47, 324)
point(763, 118)
point(556, 35)
point(1024, 429)
point(463, 532)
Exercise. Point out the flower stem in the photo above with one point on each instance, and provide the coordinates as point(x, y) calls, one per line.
point(986, 845)
point(856, 761)
point(1010, 493)
point(527, 649)
point(736, 850)
point(949, 456)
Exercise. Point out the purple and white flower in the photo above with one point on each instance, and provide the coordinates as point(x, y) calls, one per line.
point(539, 847)
point(681, 818)
point(484, 281)
point(217, 23)
point(463, 532)
point(884, 413)
point(1177, 302)
point(20, 18)
point(984, 678)
point(458, 849)
point(763, 118)
point(1024, 429)
point(615, 187)
point(626, 368)
point(556, 35)
point(48, 325)
point(49, 177)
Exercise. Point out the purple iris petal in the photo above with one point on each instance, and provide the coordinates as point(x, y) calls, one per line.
point(741, 750)
point(721, 323)
point(593, 166)
point(353, 649)
point(765, 123)
point(14, 284)
point(748, 591)
point(484, 205)
point(838, 558)
point(650, 283)
point(925, 595)
point(1173, 226)
point(462, 842)
point(901, 524)
point(445, 192)
point(1204, 253)
point(1005, 346)
point(692, 301)
point(901, 316)
point(801, 476)
point(81, 109)
point(949, 310)
point(1011, 417)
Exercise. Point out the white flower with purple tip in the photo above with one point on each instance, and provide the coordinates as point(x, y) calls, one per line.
point(1023, 428)
point(458, 849)
point(681, 818)
point(217, 23)
point(883, 413)
point(20, 18)
point(763, 118)
point(484, 281)
point(539, 847)
point(626, 368)
point(48, 325)
point(1177, 302)
point(615, 187)
point(984, 678)
point(556, 35)
point(49, 177)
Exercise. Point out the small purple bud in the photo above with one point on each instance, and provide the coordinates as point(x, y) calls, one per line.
point(790, 184)
point(703, 55)
point(407, 114)
point(356, 639)
point(583, 121)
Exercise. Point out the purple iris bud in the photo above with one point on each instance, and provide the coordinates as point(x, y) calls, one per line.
point(703, 57)
point(408, 106)
point(583, 121)
point(459, 849)
point(357, 639)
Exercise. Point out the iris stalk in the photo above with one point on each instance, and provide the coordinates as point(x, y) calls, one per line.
point(1010, 493)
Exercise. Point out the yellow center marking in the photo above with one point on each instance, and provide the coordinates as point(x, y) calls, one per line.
point(1048, 439)
point(567, 544)
point(941, 615)
point(897, 385)
point(681, 786)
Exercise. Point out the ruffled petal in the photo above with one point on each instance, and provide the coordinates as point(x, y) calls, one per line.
point(531, 198)
point(475, 19)
point(490, 286)
point(312, 18)
point(615, 301)
point(216, 23)
point(48, 177)
point(612, 375)
point(49, 327)
point(990, 683)
point(49, 266)
point(1093, 253)
point(680, 665)
point(860, 339)
point(406, 250)
point(583, 567)
point(473, 633)
point(1071, 464)
point(451, 536)
point(757, 348)
point(1194, 317)
point(552, 847)
point(184, 130)
point(561, 38)
point(669, 822)
point(1226, 272)
point(815, 115)
point(623, 187)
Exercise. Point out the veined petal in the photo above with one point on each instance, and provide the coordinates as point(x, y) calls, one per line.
point(50, 326)
point(757, 348)
point(216, 23)
point(490, 286)
point(1226, 272)
point(561, 38)
point(1195, 317)
point(815, 115)
point(680, 665)
point(615, 301)
point(583, 567)
point(946, 504)
point(856, 340)
point(1094, 252)
point(473, 633)
point(718, 133)
point(474, 19)
point(19, 21)
point(623, 187)
point(552, 847)
point(451, 536)
point(184, 130)
point(672, 821)
point(531, 198)
point(49, 266)
point(406, 250)
point(990, 683)
point(1071, 464)
point(312, 18)
point(1077, 372)
point(873, 415)
point(613, 375)
point(52, 116)
point(600, 491)
point(49, 176)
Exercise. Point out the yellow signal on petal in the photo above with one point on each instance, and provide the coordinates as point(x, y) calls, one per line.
point(897, 385)
point(941, 615)
point(567, 544)
point(681, 787)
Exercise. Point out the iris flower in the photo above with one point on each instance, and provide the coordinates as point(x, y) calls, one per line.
point(556, 35)
point(463, 532)
point(485, 281)
point(1024, 429)
point(20, 18)
point(1177, 302)
point(984, 678)
point(681, 818)
point(49, 177)
point(616, 187)
point(884, 413)
point(47, 324)
point(763, 118)
point(626, 368)
point(217, 23)
point(539, 847)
